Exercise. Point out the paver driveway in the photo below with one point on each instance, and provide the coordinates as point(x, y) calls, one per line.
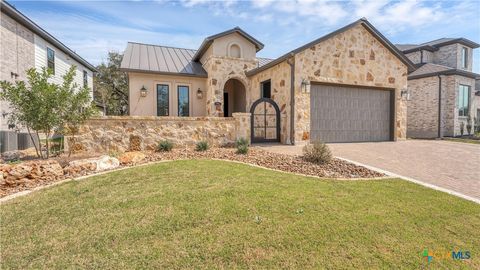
point(451, 165)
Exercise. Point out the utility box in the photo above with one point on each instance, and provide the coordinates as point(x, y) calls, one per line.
point(8, 141)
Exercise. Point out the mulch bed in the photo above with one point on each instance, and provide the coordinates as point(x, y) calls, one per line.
point(335, 169)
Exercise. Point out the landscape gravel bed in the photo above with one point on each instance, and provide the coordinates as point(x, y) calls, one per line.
point(335, 169)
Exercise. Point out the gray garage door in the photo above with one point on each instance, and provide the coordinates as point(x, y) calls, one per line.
point(349, 114)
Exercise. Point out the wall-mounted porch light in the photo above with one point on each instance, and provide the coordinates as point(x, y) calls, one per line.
point(405, 94)
point(143, 91)
point(199, 93)
point(305, 86)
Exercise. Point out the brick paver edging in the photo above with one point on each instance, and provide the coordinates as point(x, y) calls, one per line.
point(391, 174)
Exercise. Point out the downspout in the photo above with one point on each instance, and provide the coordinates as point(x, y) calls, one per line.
point(440, 135)
point(421, 56)
point(291, 62)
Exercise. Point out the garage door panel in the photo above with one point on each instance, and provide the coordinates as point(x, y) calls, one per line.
point(348, 114)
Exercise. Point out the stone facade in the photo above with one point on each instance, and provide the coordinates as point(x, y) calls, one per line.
point(121, 134)
point(279, 75)
point(17, 55)
point(220, 69)
point(354, 57)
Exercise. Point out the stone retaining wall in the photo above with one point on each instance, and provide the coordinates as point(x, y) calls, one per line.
point(135, 133)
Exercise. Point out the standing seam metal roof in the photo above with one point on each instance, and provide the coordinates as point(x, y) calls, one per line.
point(161, 59)
point(165, 60)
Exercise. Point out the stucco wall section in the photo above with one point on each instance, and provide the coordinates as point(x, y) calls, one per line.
point(221, 46)
point(16, 55)
point(147, 106)
point(120, 134)
point(354, 57)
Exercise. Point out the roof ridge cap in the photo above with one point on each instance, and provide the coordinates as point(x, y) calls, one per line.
point(158, 45)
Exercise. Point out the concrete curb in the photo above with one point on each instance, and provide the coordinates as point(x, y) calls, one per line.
point(84, 177)
point(391, 174)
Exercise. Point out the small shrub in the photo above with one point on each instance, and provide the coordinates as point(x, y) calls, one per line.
point(242, 149)
point(462, 128)
point(165, 146)
point(241, 141)
point(202, 146)
point(317, 152)
point(242, 146)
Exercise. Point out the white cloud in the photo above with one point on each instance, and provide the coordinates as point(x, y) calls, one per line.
point(396, 16)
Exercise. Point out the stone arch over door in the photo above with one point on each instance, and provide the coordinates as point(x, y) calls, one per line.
point(265, 121)
point(234, 97)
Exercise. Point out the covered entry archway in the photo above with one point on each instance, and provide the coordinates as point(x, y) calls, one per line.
point(265, 121)
point(234, 97)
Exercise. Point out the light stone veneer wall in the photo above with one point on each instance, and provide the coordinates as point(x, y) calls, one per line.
point(220, 69)
point(354, 57)
point(16, 55)
point(135, 133)
point(280, 93)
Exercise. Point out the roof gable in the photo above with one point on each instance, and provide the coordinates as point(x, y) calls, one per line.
point(207, 42)
point(363, 22)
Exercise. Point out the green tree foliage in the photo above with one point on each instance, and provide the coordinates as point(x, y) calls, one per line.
point(111, 86)
point(44, 107)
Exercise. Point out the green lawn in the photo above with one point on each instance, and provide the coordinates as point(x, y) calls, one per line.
point(214, 214)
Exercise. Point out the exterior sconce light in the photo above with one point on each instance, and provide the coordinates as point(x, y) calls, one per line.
point(199, 93)
point(405, 94)
point(305, 86)
point(143, 91)
point(218, 108)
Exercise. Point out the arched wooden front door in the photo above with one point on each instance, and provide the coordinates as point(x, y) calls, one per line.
point(265, 121)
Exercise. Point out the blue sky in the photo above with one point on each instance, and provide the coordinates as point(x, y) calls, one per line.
point(92, 28)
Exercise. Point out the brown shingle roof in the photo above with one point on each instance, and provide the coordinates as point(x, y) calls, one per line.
point(161, 59)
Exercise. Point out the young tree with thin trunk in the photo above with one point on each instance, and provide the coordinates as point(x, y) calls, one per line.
point(44, 107)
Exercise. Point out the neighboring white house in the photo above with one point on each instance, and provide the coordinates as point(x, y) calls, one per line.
point(24, 45)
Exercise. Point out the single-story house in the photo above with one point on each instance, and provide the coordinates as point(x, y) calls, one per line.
point(347, 86)
point(442, 88)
